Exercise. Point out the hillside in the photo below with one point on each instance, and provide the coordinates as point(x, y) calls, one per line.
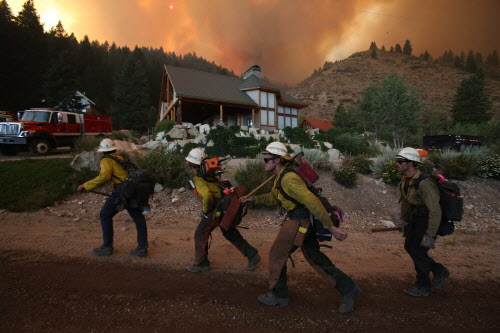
point(344, 82)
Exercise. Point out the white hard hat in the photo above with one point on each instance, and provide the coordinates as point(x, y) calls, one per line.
point(410, 154)
point(195, 156)
point(276, 148)
point(107, 145)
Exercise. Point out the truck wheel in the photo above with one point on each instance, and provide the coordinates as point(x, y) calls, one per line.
point(40, 147)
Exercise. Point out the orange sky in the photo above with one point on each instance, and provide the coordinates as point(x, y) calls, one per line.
point(287, 38)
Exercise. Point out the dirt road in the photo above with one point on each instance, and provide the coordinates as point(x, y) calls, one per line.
point(49, 281)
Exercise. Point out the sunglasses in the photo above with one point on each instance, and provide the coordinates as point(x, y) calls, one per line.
point(267, 159)
point(401, 162)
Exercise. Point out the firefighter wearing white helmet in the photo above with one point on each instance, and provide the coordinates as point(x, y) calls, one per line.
point(195, 156)
point(111, 170)
point(421, 216)
point(107, 145)
point(290, 192)
point(207, 188)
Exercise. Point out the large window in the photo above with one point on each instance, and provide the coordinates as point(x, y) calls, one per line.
point(267, 111)
point(287, 116)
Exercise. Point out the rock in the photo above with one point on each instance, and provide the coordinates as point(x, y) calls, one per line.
point(182, 189)
point(153, 145)
point(387, 224)
point(175, 199)
point(160, 136)
point(204, 129)
point(333, 154)
point(123, 229)
point(469, 206)
point(177, 132)
point(200, 138)
point(192, 131)
point(210, 143)
point(76, 219)
point(87, 159)
point(328, 145)
point(158, 188)
point(80, 202)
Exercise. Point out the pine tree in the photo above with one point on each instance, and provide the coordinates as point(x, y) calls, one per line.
point(492, 58)
point(383, 48)
point(8, 54)
point(373, 46)
point(132, 105)
point(407, 49)
point(471, 104)
point(479, 59)
point(392, 49)
point(470, 63)
point(374, 53)
point(398, 49)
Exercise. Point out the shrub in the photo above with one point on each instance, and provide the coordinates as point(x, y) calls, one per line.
point(458, 167)
point(427, 166)
point(296, 135)
point(163, 126)
point(251, 174)
point(380, 162)
point(124, 136)
point(390, 173)
point(345, 175)
point(351, 144)
point(488, 167)
point(316, 158)
point(360, 163)
point(85, 143)
point(168, 167)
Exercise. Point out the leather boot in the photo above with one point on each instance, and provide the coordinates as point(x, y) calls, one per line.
point(103, 251)
point(348, 303)
point(252, 262)
point(270, 299)
point(139, 252)
point(439, 280)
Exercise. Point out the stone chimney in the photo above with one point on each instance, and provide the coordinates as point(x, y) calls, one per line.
point(254, 70)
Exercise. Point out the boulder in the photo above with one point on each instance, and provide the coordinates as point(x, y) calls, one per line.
point(152, 145)
point(333, 154)
point(158, 188)
point(192, 131)
point(87, 159)
point(200, 138)
point(160, 136)
point(177, 132)
point(328, 145)
point(244, 128)
point(204, 129)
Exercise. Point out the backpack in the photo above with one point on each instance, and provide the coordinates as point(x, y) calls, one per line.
point(137, 187)
point(336, 214)
point(452, 204)
point(229, 206)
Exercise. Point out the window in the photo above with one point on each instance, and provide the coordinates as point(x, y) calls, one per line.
point(287, 116)
point(71, 119)
point(263, 99)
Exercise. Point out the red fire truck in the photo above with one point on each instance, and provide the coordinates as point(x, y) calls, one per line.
point(39, 130)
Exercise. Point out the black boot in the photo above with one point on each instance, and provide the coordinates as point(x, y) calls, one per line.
point(103, 251)
point(139, 252)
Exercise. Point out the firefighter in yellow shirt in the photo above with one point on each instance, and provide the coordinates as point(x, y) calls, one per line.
point(303, 203)
point(210, 192)
point(114, 172)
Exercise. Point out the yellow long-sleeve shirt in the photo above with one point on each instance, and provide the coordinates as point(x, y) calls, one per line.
point(427, 194)
point(208, 192)
point(109, 168)
point(296, 188)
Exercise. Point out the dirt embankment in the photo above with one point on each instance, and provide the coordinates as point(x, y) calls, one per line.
point(49, 280)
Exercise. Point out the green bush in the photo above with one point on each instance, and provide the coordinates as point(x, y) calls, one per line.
point(458, 167)
point(351, 144)
point(163, 126)
point(345, 175)
point(296, 135)
point(316, 158)
point(390, 173)
point(360, 163)
point(124, 136)
point(488, 167)
point(35, 184)
point(226, 143)
point(427, 166)
point(251, 174)
point(168, 167)
point(85, 143)
point(378, 167)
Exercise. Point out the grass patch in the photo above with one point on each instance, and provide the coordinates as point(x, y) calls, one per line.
point(31, 185)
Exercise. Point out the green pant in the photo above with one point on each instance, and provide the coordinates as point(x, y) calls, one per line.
point(318, 260)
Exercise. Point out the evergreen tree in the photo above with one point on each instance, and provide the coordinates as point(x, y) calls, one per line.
point(471, 104)
point(479, 59)
point(61, 85)
point(407, 49)
point(8, 56)
point(457, 62)
point(132, 105)
point(470, 63)
point(383, 48)
point(373, 46)
point(374, 53)
point(398, 49)
point(392, 49)
point(426, 56)
point(492, 58)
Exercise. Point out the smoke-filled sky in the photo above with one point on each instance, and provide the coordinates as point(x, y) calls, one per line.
point(288, 39)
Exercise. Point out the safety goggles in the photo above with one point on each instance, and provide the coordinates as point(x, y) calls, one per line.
point(267, 159)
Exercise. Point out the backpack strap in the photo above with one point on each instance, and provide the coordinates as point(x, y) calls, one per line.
point(123, 164)
point(280, 188)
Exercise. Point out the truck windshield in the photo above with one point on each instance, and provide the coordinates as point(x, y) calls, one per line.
point(41, 116)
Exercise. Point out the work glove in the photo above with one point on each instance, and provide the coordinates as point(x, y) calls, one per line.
point(428, 242)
